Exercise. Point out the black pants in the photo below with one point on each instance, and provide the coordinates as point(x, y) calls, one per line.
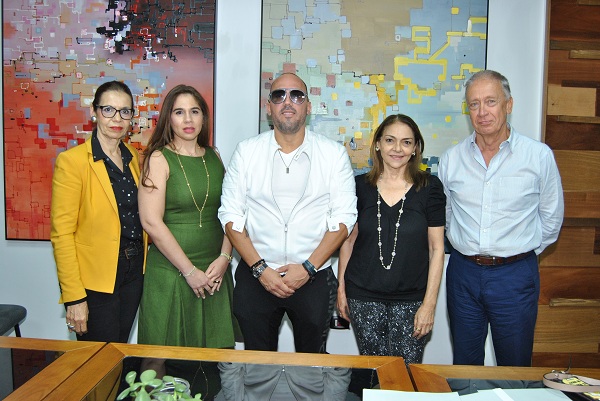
point(259, 312)
point(111, 316)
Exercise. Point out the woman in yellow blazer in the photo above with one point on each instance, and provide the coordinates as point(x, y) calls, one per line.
point(98, 241)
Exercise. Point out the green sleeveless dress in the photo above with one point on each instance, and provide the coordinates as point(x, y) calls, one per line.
point(170, 312)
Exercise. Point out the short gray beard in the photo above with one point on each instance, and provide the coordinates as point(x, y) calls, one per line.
point(288, 128)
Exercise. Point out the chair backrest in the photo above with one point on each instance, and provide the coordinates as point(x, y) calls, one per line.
point(10, 317)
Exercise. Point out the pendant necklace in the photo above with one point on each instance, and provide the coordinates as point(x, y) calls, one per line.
point(388, 267)
point(190, 188)
point(287, 166)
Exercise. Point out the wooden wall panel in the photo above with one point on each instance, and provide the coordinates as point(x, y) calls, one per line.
point(567, 329)
point(573, 45)
point(579, 170)
point(568, 282)
point(569, 344)
point(582, 205)
point(561, 68)
point(589, 54)
point(575, 247)
point(564, 359)
point(571, 267)
point(572, 135)
point(571, 101)
point(563, 13)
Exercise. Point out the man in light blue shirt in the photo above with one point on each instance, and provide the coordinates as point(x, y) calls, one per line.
point(504, 207)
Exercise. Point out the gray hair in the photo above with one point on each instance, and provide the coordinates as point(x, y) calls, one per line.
point(490, 74)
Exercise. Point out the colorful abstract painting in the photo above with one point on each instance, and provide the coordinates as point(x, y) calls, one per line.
point(364, 60)
point(56, 53)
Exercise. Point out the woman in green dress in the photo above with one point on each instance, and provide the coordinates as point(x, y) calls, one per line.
point(188, 284)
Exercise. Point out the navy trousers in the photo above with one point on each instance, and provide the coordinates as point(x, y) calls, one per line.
point(505, 297)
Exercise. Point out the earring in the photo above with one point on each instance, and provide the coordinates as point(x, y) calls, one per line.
point(414, 154)
point(376, 148)
point(94, 119)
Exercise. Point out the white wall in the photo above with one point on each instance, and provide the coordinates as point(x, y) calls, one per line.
point(515, 48)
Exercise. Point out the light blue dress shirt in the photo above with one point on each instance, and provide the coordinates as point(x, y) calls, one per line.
point(512, 206)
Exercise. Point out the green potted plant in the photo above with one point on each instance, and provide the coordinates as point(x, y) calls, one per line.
point(152, 388)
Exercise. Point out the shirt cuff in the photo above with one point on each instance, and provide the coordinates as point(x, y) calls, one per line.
point(333, 222)
point(79, 301)
point(238, 222)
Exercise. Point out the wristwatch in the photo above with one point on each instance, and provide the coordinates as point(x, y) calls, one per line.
point(257, 271)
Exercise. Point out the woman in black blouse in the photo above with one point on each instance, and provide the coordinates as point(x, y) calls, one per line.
point(98, 240)
point(391, 264)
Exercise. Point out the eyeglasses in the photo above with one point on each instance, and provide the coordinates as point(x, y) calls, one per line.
point(110, 112)
point(278, 96)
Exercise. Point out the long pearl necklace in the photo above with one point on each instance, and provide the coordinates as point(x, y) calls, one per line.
point(388, 267)
point(190, 188)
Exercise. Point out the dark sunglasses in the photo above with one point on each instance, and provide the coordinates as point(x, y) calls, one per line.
point(278, 96)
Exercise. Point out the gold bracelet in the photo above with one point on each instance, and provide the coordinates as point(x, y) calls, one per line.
point(226, 256)
point(189, 274)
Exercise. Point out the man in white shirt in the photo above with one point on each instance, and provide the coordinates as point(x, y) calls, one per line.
point(504, 207)
point(288, 203)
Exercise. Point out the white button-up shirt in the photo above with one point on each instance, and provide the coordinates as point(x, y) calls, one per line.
point(328, 198)
point(512, 206)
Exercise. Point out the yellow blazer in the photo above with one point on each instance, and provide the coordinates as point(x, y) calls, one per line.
point(85, 230)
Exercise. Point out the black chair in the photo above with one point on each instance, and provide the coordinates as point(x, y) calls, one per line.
point(11, 316)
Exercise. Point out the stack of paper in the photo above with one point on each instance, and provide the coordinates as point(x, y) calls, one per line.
point(527, 394)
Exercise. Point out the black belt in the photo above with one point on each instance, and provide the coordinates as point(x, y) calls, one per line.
point(132, 249)
point(488, 260)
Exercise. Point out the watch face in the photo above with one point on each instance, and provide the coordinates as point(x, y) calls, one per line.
point(258, 271)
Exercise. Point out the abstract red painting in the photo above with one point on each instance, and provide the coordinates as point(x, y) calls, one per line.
point(57, 53)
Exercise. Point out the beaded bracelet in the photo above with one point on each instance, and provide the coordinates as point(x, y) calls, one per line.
point(254, 266)
point(189, 274)
point(226, 256)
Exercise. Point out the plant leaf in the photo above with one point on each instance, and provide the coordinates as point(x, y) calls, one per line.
point(130, 377)
point(143, 396)
point(147, 376)
point(155, 383)
point(180, 387)
point(123, 394)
